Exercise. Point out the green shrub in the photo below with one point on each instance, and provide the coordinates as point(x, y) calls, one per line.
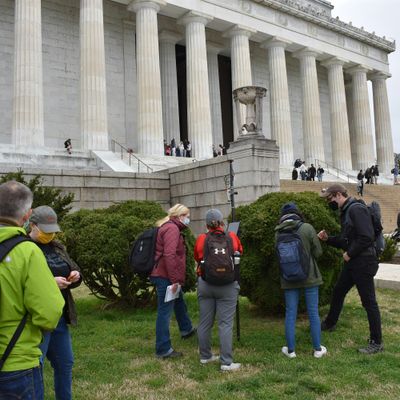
point(390, 250)
point(100, 240)
point(42, 195)
point(260, 279)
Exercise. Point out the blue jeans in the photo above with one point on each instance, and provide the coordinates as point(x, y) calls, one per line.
point(164, 311)
point(26, 384)
point(57, 347)
point(292, 301)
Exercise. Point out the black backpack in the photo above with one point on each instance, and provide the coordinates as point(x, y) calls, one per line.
point(294, 262)
point(374, 210)
point(218, 267)
point(142, 255)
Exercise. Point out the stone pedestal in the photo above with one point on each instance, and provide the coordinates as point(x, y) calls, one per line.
point(198, 92)
point(256, 168)
point(383, 128)
point(93, 77)
point(27, 128)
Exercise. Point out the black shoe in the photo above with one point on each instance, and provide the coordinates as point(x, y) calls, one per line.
point(173, 354)
point(190, 334)
point(327, 328)
point(372, 348)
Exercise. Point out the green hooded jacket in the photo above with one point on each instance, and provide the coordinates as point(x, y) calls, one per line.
point(26, 285)
point(313, 248)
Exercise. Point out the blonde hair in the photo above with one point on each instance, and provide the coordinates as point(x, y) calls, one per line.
point(176, 211)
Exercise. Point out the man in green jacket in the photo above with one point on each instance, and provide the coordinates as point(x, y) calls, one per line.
point(26, 286)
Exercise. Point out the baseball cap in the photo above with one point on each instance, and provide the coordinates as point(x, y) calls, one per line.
point(214, 215)
point(335, 188)
point(45, 218)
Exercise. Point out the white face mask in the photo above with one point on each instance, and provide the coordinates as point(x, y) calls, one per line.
point(186, 221)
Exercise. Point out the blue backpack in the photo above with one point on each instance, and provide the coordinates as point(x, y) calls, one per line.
point(294, 261)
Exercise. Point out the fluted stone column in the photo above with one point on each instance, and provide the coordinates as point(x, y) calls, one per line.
point(349, 106)
point(198, 92)
point(383, 128)
point(281, 128)
point(169, 85)
point(93, 76)
point(213, 50)
point(149, 104)
point(364, 155)
point(312, 124)
point(340, 136)
point(27, 128)
point(241, 66)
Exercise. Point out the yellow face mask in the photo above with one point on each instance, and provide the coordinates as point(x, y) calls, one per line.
point(43, 237)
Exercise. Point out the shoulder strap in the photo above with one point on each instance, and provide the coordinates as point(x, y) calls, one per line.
point(5, 248)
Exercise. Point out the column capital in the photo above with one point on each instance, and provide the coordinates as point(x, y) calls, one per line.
point(379, 75)
point(167, 36)
point(330, 62)
point(276, 41)
point(214, 48)
point(194, 16)
point(136, 5)
point(358, 68)
point(306, 52)
point(239, 30)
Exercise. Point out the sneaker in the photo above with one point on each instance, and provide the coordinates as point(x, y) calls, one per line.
point(372, 347)
point(327, 328)
point(231, 367)
point(285, 351)
point(209, 360)
point(190, 334)
point(320, 353)
point(173, 354)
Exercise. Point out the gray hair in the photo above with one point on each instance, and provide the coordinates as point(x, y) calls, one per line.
point(15, 200)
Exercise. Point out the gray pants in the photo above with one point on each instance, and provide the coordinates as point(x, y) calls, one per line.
point(217, 301)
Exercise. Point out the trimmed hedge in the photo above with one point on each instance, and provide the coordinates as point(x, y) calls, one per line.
point(100, 241)
point(260, 279)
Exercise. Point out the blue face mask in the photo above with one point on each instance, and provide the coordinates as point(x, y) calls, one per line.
point(26, 226)
point(186, 221)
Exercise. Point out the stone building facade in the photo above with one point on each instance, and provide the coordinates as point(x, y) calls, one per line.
point(144, 71)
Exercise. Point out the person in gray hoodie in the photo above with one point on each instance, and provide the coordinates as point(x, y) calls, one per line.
point(292, 221)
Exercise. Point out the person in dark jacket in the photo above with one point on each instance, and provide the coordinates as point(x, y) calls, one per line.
point(56, 345)
point(291, 220)
point(360, 183)
point(295, 174)
point(368, 176)
point(170, 271)
point(312, 172)
point(360, 262)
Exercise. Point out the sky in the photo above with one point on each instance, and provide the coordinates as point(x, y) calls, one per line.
point(382, 17)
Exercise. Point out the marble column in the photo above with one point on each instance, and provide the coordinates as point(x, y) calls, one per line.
point(281, 128)
point(169, 85)
point(27, 127)
point(93, 77)
point(213, 50)
point(362, 124)
point(241, 66)
point(149, 104)
point(312, 123)
point(198, 92)
point(349, 106)
point(340, 135)
point(383, 128)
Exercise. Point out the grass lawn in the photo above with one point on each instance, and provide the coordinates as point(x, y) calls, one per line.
point(114, 358)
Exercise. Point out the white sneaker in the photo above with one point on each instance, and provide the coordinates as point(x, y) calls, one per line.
point(209, 360)
point(230, 367)
point(320, 353)
point(285, 351)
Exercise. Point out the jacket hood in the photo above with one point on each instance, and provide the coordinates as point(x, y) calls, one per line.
point(289, 225)
point(7, 232)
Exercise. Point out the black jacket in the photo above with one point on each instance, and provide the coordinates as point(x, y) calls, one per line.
point(357, 235)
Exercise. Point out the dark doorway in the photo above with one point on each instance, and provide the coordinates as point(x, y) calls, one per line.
point(181, 71)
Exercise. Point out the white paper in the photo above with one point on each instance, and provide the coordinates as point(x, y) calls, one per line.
point(169, 295)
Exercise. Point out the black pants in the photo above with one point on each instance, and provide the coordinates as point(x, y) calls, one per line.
point(359, 272)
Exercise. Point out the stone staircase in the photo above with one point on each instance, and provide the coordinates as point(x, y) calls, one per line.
point(388, 196)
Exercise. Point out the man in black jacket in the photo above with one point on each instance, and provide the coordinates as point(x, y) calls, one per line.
point(357, 239)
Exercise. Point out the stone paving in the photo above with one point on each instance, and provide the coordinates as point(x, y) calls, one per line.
point(388, 276)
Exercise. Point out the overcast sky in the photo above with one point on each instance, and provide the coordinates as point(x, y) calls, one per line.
point(382, 17)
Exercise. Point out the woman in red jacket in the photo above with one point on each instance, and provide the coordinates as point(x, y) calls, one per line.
point(170, 270)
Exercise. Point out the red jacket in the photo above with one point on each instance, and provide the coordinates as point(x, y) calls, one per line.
point(171, 252)
point(199, 246)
